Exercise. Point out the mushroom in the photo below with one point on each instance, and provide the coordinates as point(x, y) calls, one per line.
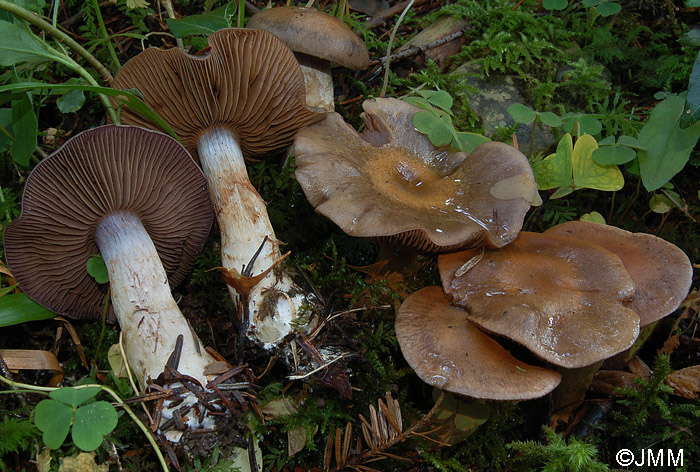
point(449, 352)
point(317, 39)
point(391, 183)
point(566, 300)
point(138, 198)
point(243, 97)
point(661, 272)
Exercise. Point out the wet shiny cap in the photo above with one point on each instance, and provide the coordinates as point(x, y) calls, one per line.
point(247, 82)
point(391, 182)
point(100, 171)
point(449, 352)
point(661, 272)
point(310, 31)
point(563, 299)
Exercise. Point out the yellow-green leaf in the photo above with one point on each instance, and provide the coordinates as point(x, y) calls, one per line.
point(555, 170)
point(588, 173)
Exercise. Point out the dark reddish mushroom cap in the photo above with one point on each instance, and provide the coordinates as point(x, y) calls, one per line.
point(661, 272)
point(100, 171)
point(449, 352)
point(564, 299)
point(247, 81)
point(391, 182)
point(312, 32)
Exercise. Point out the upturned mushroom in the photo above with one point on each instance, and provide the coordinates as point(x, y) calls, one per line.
point(244, 96)
point(661, 272)
point(317, 40)
point(566, 300)
point(391, 183)
point(449, 352)
point(136, 197)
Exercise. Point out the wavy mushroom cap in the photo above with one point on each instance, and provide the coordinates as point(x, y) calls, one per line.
point(391, 182)
point(246, 81)
point(310, 31)
point(447, 351)
point(565, 300)
point(101, 171)
point(661, 272)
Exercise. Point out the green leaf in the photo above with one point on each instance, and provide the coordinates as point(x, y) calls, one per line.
point(6, 124)
point(629, 141)
point(668, 147)
point(71, 101)
point(588, 173)
point(24, 126)
point(126, 97)
point(691, 38)
point(419, 102)
point(92, 423)
point(204, 24)
point(550, 119)
point(74, 396)
point(441, 99)
point(18, 308)
point(692, 3)
point(691, 110)
point(554, 4)
point(6, 290)
point(588, 124)
point(593, 217)
point(660, 203)
point(19, 45)
point(555, 170)
point(521, 113)
point(467, 142)
point(613, 155)
point(439, 133)
point(608, 9)
point(97, 269)
point(53, 419)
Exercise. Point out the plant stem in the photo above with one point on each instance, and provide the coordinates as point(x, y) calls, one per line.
point(105, 35)
point(388, 47)
point(58, 34)
point(112, 393)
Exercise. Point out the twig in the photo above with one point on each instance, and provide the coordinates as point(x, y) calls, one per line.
point(385, 15)
point(415, 50)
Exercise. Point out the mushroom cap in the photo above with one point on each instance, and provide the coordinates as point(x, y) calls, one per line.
point(563, 299)
point(391, 182)
point(449, 352)
point(310, 31)
point(246, 81)
point(100, 171)
point(661, 272)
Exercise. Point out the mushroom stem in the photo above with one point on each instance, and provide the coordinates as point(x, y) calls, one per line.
point(318, 82)
point(275, 301)
point(147, 313)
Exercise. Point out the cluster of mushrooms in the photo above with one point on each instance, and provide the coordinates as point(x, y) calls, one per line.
point(573, 295)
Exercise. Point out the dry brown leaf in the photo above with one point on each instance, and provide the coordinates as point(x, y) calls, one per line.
point(685, 382)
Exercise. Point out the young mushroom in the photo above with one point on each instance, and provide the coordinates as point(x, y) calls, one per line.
point(317, 40)
point(661, 272)
point(136, 197)
point(243, 97)
point(391, 183)
point(449, 352)
point(566, 300)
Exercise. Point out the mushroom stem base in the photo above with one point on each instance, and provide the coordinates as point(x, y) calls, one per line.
point(275, 303)
point(147, 313)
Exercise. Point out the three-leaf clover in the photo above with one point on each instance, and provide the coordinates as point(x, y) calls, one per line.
point(90, 422)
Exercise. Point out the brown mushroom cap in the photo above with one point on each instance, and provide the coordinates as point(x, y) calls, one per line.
point(661, 272)
point(100, 171)
point(247, 81)
point(563, 299)
point(449, 352)
point(390, 181)
point(310, 31)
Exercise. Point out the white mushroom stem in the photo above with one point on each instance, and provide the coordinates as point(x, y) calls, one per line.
point(275, 302)
point(318, 82)
point(147, 313)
